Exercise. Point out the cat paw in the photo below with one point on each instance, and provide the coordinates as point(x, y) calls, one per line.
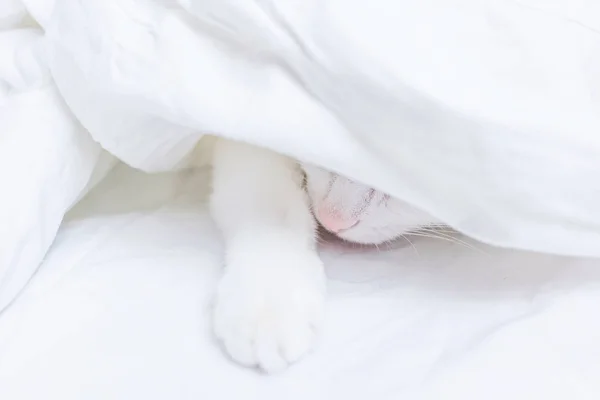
point(268, 315)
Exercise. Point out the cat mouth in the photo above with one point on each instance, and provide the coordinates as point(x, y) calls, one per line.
point(338, 230)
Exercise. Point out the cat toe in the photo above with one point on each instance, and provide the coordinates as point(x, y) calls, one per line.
point(268, 327)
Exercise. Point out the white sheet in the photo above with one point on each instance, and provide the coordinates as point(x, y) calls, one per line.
point(118, 311)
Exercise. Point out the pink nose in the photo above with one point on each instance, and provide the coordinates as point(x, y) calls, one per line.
point(333, 221)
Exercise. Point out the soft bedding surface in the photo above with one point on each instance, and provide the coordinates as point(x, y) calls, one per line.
point(484, 114)
point(118, 310)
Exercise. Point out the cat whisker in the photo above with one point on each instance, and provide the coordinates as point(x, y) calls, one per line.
point(411, 243)
point(444, 234)
point(448, 238)
point(377, 247)
point(389, 242)
point(444, 229)
point(430, 236)
point(436, 225)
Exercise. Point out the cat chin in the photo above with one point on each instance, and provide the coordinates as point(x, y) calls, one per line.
point(367, 237)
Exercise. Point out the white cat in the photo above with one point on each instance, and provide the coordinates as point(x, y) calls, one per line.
point(270, 301)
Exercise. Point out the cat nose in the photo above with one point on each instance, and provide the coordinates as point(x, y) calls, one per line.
point(333, 221)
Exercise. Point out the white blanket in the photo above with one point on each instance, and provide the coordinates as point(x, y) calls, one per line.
point(485, 114)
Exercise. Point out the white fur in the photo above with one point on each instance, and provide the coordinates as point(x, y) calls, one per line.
point(270, 301)
point(377, 218)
